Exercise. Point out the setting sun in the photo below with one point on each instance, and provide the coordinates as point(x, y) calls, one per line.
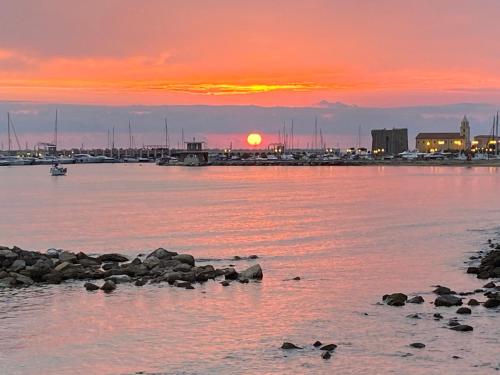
point(254, 139)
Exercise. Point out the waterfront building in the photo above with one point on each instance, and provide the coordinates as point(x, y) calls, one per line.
point(389, 141)
point(454, 142)
point(485, 142)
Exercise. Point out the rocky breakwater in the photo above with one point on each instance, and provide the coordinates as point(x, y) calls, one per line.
point(22, 268)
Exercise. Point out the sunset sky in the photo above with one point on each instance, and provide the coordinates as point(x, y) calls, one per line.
point(263, 52)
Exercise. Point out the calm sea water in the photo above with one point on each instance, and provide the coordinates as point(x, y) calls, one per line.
point(351, 233)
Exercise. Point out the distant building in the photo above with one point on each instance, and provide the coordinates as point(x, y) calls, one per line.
point(455, 142)
point(389, 141)
point(485, 142)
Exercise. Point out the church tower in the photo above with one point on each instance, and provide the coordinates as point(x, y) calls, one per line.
point(465, 132)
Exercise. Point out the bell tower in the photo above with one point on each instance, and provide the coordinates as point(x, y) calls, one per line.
point(465, 132)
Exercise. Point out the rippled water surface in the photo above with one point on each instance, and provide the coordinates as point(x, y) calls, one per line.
point(351, 233)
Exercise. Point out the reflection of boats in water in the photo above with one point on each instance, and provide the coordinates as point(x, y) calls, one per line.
point(56, 170)
point(167, 160)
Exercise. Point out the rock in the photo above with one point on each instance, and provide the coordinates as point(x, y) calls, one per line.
point(141, 282)
point(21, 279)
point(491, 303)
point(473, 302)
point(230, 274)
point(453, 322)
point(113, 257)
point(289, 345)
point(253, 272)
point(473, 270)
point(442, 290)
point(189, 287)
point(109, 266)
point(89, 262)
point(236, 257)
point(329, 347)
point(151, 262)
point(464, 310)
point(52, 277)
point(253, 257)
point(7, 282)
point(119, 279)
point(108, 286)
point(136, 262)
point(296, 278)
point(18, 265)
point(447, 300)
point(326, 355)
point(243, 281)
point(161, 253)
point(3, 274)
point(53, 253)
point(171, 277)
point(416, 299)
point(182, 267)
point(414, 316)
point(90, 287)
point(184, 258)
point(395, 299)
point(64, 265)
point(66, 256)
point(8, 254)
point(317, 343)
point(490, 285)
point(417, 345)
point(462, 328)
point(225, 283)
point(181, 284)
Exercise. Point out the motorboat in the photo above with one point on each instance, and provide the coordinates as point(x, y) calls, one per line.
point(86, 158)
point(56, 170)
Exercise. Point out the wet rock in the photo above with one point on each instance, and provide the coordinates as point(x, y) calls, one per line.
point(90, 287)
point(89, 262)
point(136, 262)
point(119, 279)
point(53, 253)
point(113, 257)
point(491, 303)
point(181, 284)
point(161, 253)
point(414, 316)
point(52, 277)
point(326, 355)
point(64, 265)
point(464, 310)
point(473, 302)
point(417, 345)
point(189, 287)
point(171, 277)
point(151, 262)
point(416, 299)
point(108, 286)
point(18, 265)
point(109, 266)
point(184, 258)
point(141, 282)
point(21, 279)
point(442, 290)
point(244, 281)
point(296, 278)
point(225, 283)
point(447, 300)
point(489, 285)
point(328, 347)
point(289, 345)
point(66, 256)
point(395, 299)
point(473, 270)
point(317, 343)
point(3, 274)
point(453, 322)
point(253, 272)
point(462, 328)
point(253, 257)
point(230, 274)
point(182, 267)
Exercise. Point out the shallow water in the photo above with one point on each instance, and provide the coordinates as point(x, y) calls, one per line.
point(351, 233)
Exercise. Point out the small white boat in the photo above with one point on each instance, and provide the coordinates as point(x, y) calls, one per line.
point(58, 171)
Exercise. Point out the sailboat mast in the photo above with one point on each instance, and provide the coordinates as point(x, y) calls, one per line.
point(166, 133)
point(129, 135)
point(8, 130)
point(55, 131)
point(496, 136)
point(315, 132)
point(291, 137)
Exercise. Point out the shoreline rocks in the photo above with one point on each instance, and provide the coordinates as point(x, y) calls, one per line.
point(21, 268)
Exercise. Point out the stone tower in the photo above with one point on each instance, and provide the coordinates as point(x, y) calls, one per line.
point(465, 132)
